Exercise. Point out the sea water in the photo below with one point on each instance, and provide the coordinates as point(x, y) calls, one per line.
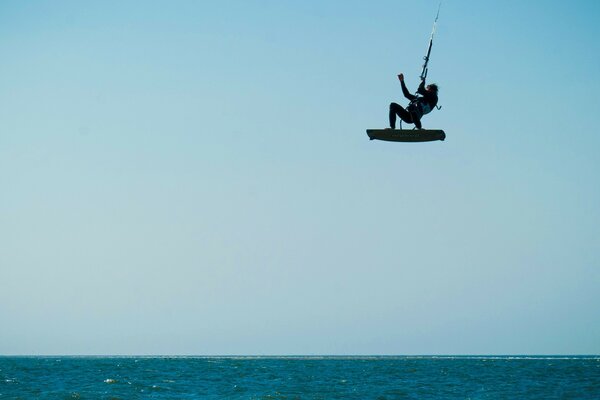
point(300, 378)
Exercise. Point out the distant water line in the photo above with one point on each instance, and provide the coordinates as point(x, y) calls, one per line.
point(301, 377)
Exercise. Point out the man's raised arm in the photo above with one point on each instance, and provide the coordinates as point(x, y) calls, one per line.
point(405, 91)
point(421, 89)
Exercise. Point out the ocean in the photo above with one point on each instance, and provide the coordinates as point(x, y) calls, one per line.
point(380, 378)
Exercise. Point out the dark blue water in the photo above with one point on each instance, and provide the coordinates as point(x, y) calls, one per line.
point(300, 378)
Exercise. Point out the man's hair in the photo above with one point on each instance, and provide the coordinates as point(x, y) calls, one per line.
point(434, 87)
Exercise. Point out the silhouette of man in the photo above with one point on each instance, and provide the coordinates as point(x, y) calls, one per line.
point(419, 105)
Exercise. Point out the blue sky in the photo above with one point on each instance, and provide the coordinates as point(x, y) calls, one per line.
point(194, 177)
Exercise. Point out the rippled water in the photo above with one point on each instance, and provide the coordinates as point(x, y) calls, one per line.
point(299, 377)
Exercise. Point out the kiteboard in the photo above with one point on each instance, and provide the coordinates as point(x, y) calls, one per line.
point(406, 135)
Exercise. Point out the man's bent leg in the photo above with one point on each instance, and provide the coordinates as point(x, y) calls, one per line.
point(397, 109)
point(418, 123)
point(393, 115)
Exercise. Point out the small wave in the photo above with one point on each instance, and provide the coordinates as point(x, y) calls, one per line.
point(110, 381)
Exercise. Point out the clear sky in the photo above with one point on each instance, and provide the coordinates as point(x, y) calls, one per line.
point(194, 177)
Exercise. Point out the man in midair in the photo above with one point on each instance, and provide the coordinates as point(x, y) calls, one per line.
point(419, 105)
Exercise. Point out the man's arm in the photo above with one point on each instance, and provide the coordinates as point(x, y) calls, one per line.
point(430, 97)
point(421, 89)
point(405, 91)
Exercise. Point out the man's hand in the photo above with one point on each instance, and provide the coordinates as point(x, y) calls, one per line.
point(401, 77)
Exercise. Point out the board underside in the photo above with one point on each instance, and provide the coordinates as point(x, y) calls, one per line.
point(406, 135)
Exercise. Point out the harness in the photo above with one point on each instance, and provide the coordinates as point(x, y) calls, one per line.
point(418, 107)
